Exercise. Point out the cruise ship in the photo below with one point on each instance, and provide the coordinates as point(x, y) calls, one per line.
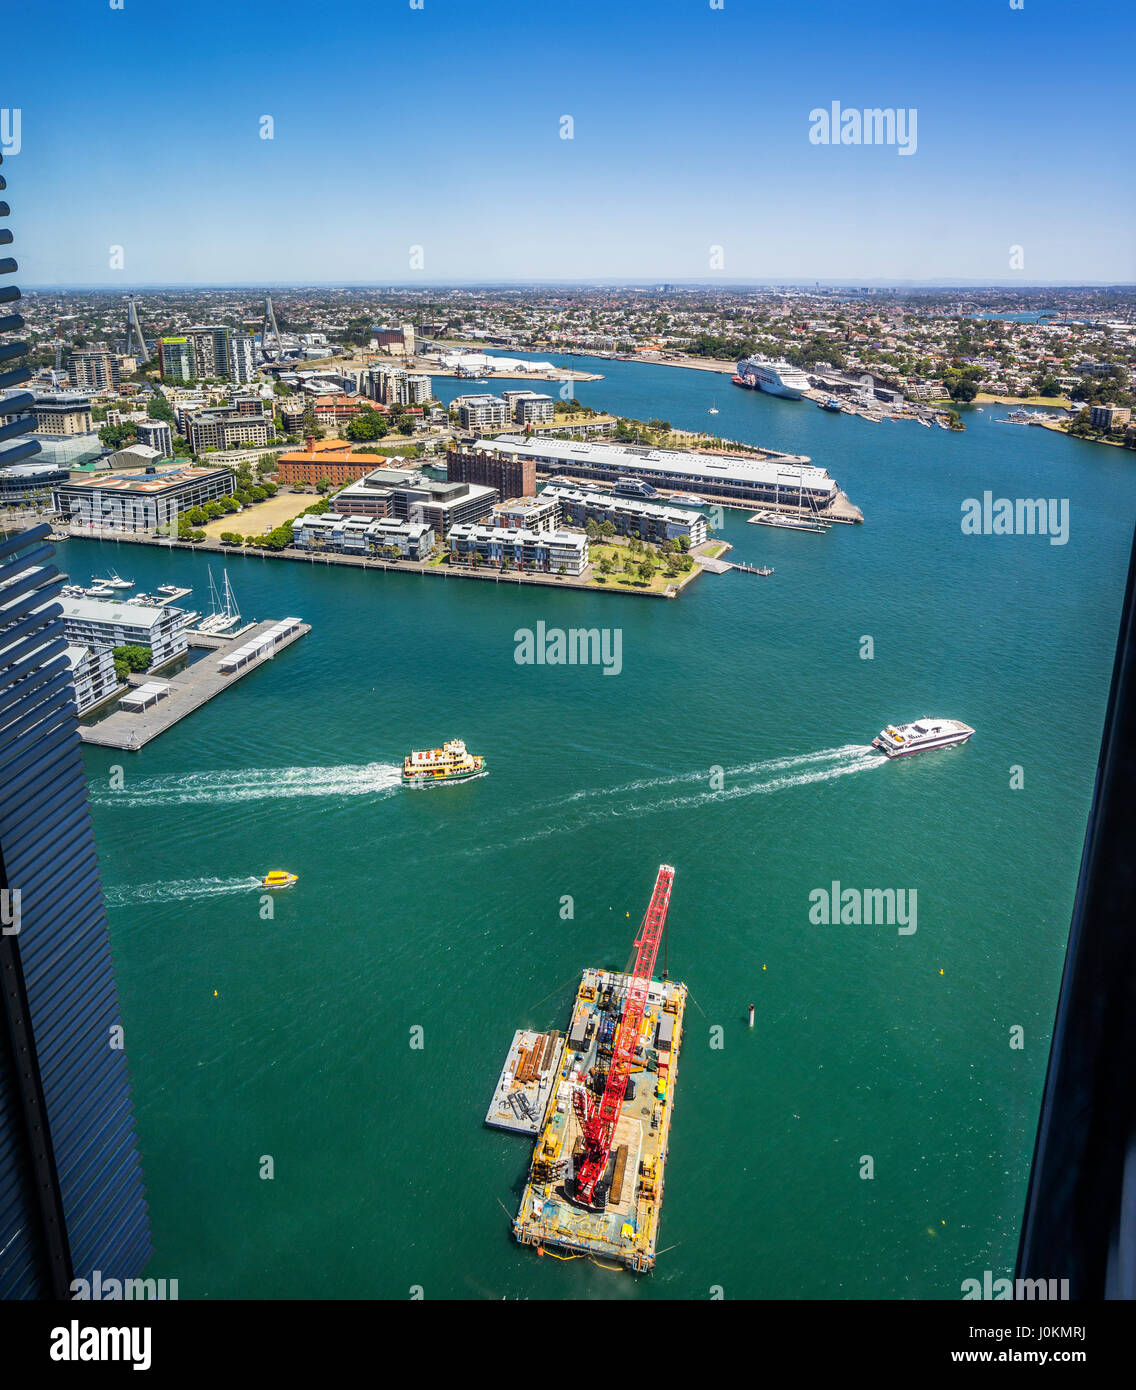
point(897, 740)
point(776, 378)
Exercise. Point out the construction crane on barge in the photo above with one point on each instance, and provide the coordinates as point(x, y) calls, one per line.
point(598, 1122)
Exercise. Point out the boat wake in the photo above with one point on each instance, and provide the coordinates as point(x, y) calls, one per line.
point(255, 784)
point(178, 890)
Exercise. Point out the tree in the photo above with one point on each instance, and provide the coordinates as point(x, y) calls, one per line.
point(131, 658)
point(231, 538)
point(160, 408)
point(607, 528)
point(368, 424)
point(116, 436)
point(196, 516)
point(213, 510)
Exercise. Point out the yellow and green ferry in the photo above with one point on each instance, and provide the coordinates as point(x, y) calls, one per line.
point(450, 763)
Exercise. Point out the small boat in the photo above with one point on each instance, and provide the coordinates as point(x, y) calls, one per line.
point(115, 581)
point(99, 591)
point(832, 405)
point(897, 740)
point(278, 878)
point(713, 408)
point(450, 763)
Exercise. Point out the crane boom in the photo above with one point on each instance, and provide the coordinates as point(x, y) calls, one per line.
point(598, 1122)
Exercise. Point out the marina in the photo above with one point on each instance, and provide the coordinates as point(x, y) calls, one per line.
point(151, 707)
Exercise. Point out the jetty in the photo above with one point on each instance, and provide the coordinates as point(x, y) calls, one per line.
point(154, 704)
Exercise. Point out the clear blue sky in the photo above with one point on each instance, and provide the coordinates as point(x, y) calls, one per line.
point(440, 128)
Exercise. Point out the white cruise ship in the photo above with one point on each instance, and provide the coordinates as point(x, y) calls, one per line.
point(897, 740)
point(777, 378)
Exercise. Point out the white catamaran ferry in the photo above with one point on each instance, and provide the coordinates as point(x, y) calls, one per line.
point(897, 740)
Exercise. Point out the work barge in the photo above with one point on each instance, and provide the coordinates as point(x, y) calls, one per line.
point(606, 1101)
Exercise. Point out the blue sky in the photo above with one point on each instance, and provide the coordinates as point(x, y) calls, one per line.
point(440, 128)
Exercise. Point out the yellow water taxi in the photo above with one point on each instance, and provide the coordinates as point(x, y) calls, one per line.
point(279, 878)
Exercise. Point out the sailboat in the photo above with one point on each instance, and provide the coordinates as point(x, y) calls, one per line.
point(713, 407)
point(223, 611)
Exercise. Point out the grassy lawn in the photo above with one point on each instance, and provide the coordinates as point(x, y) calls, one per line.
point(620, 579)
point(713, 550)
point(262, 516)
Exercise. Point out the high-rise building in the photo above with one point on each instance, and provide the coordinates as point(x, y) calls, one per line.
point(242, 357)
point(157, 434)
point(510, 475)
point(211, 350)
point(176, 359)
point(72, 1199)
point(93, 370)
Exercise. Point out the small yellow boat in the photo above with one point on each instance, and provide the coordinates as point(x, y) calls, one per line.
point(279, 878)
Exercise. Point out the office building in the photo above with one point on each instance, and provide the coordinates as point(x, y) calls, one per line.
point(140, 501)
point(370, 496)
point(72, 1199)
point(23, 484)
point(511, 474)
point(93, 370)
point(222, 427)
point(441, 505)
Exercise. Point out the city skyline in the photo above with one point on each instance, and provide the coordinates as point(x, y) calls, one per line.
point(689, 161)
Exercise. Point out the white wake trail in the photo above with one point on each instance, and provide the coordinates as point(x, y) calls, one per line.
point(178, 890)
point(255, 784)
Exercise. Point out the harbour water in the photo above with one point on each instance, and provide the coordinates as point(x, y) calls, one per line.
point(734, 745)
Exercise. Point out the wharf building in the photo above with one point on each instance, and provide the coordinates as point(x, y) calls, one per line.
point(630, 517)
point(72, 1199)
point(512, 474)
point(771, 480)
point(226, 427)
point(93, 676)
point(93, 622)
point(93, 370)
point(140, 501)
point(548, 552)
point(379, 538)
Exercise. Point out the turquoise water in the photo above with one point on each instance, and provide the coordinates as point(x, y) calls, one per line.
point(440, 909)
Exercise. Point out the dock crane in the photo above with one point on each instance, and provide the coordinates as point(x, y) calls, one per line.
point(598, 1122)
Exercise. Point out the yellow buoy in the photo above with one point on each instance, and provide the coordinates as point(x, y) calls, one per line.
point(214, 994)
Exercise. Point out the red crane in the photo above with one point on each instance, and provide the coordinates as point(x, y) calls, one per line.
point(598, 1122)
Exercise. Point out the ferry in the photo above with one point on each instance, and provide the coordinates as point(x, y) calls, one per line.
point(775, 378)
point(278, 878)
point(628, 487)
point(832, 404)
point(450, 763)
point(897, 740)
point(788, 523)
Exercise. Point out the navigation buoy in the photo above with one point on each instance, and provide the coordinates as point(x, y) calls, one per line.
point(940, 972)
point(751, 1015)
point(214, 994)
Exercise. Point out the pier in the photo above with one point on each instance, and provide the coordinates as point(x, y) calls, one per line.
point(160, 704)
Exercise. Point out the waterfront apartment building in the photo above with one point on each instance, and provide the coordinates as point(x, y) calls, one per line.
point(650, 521)
point(528, 513)
point(93, 677)
point(547, 552)
point(529, 407)
point(157, 435)
point(223, 427)
point(743, 480)
point(378, 538)
point(94, 370)
point(72, 1199)
point(93, 622)
point(1101, 417)
point(140, 501)
point(482, 414)
point(511, 474)
point(176, 361)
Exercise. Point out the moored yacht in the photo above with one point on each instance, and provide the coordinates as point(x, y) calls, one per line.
point(897, 740)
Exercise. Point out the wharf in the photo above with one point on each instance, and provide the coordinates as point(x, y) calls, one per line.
point(526, 1083)
point(187, 690)
point(626, 1230)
